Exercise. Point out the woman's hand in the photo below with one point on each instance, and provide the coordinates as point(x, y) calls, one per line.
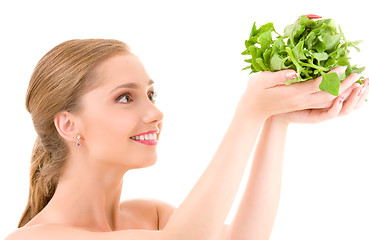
point(267, 94)
point(351, 99)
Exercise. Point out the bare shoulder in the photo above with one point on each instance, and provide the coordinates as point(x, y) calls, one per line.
point(144, 218)
point(61, 232)
point(47, 231)
point(142, 210)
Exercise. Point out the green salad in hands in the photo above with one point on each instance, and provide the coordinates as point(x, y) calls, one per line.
point(310, 47)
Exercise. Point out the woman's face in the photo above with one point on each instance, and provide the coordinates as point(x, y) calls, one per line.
point(121, 107)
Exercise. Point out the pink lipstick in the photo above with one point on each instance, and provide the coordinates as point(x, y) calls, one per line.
point(148, 138)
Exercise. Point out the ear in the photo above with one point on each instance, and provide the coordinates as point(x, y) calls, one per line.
point(66, 126)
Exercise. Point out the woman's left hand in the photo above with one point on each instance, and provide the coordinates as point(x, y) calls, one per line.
point(344, 104)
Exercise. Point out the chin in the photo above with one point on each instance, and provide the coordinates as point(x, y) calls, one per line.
point(149, 163)
point(144, 163)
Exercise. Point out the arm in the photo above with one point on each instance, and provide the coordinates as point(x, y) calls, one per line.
point(203, 212)
point(256, 213)
point(258, 208)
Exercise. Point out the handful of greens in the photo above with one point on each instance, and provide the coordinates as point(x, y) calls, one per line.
point(312, 48)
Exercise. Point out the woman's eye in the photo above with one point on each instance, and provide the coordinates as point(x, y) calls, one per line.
point(153, 95)
point(124, 98)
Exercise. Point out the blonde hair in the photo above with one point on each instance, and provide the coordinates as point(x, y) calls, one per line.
point(64, 74)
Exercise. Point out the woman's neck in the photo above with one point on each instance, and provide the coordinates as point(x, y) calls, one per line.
point(88, 196)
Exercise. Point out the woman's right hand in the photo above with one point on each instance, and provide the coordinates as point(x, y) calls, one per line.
point(267, 94)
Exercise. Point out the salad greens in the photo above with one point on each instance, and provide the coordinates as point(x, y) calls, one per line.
point(310, 47)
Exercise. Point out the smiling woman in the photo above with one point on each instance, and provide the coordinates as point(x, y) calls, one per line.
point(56, 81)
point(93, 107)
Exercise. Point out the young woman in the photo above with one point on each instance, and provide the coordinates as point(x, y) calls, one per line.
point(93, 107)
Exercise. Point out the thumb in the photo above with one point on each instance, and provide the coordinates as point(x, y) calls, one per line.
point(272, 79)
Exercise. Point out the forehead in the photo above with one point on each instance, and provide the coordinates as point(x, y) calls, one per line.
point(122, 68)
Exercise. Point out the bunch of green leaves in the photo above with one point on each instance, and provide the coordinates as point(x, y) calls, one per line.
point(310, 47)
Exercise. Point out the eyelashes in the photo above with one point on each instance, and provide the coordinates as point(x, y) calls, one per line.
point(126, 97)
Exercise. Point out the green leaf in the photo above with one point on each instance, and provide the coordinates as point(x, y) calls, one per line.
point(298, 51)
point(266, 55)
point(255, 55)
point(357, 70)
point(304, 20)
point(261, 64)
point(279, 43)
point(288, 31)
point(320, 56)
point(331, 41)
point(265, 39)
point(276, 63)
point(343, 61)
point(244, 52)
point(331, 25)
point(330, 83)
point(266, 27)
point(253, 30)
point(319, 46)
point(297, 31)
point(310, 40)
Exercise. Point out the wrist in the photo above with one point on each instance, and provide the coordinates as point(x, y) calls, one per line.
point(278, 120)
point(244, 111)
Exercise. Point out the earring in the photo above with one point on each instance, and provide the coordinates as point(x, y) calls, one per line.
point(78, 138)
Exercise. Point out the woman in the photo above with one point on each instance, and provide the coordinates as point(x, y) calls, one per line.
point(92, 105)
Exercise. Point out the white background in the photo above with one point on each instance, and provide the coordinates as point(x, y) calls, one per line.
point(192, 51)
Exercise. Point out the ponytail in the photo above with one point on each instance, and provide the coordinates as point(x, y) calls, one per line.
point(41, 186)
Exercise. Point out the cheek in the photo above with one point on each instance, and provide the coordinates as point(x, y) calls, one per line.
point(107, 134)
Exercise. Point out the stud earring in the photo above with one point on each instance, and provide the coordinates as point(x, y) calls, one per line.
point(78, 138)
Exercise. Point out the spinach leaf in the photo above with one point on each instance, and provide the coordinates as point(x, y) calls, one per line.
point(310, 47)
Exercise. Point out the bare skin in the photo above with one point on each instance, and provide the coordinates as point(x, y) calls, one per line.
point(86, 204)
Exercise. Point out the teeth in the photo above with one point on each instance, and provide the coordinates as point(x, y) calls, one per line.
point(145, 137)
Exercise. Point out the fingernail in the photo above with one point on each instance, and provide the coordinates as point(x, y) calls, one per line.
point(342, 70)
point(292, 75)
point(341, 98)
point(362, 89)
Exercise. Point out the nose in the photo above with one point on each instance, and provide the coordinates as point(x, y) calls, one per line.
point(152, 114)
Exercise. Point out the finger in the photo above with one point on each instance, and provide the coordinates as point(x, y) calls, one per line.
point(364, 94)
point(312, 86)
point(351, 102)
point(326, 101)
point(336, 107)
point(348, 92)
point(273, 79)
point(323, 99)
point(332, 112)
point(348, 82)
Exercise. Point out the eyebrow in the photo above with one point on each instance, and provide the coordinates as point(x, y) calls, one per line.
point(131, 85)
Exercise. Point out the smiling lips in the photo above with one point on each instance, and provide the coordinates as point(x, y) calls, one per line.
point(149, 138)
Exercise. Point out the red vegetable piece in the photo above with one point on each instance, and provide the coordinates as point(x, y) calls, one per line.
point(311, 16)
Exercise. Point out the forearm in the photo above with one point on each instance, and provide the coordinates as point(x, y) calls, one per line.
point(259, 205)
point(203, 212)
